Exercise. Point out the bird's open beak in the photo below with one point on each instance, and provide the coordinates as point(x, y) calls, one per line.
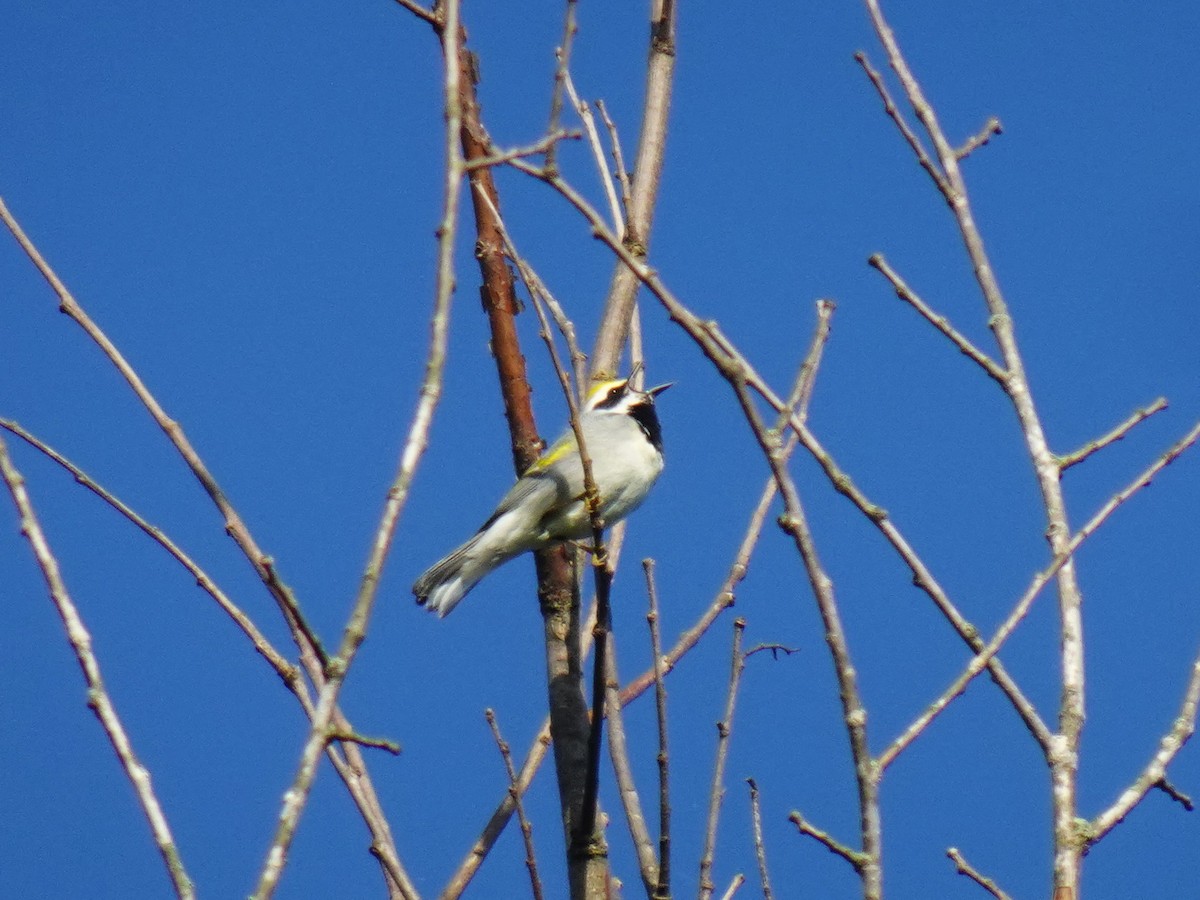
point(655, 391)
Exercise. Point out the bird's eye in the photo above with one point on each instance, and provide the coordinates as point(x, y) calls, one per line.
point(614, 393)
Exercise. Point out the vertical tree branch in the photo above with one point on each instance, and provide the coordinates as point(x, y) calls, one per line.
point(760, 847)
point(1064, 753)
point(662, 890)
point(717, 792)
point(558, 601)
point(648, 165)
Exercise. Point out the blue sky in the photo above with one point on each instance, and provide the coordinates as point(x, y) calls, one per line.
point(244, 197)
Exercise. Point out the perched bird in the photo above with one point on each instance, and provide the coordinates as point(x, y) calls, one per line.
point(623, 440)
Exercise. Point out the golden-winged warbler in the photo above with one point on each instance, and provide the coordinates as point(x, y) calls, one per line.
point(624, 443)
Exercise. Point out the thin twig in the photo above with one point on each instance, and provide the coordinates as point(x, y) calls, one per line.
point(362, 740)
point(734, 885)
point(1074, 458)
point(760, 847)
point(965, 868)
point(98, 699)
point(893, 113)
point(433, 18)
point(563, 61)
point(618, 158)
point(589, 125)
point(535, 882)
point(540, 294)
point(1175, 793)
point(355, 631)
point(663, 888)
point(941, 323)
point(543, 145)
point(856, 858)
point(717, 792)
point(794, 522)
point(647, 173)
point(618, 749)
point(990, 129)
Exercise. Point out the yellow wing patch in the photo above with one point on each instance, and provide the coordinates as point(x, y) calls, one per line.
point(560, 449)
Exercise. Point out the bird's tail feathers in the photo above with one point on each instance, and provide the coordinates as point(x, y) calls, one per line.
point(447, 581)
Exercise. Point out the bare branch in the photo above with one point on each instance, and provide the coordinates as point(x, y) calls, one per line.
point(544, 145)
point(856, 858)
point(990, 129)
point(1118, 433)
point(717, 792)
point(965, 868)
point(647, 171)
point(98, 699)
point(734, 885)
point(234, 525)
point(893, 113)
point(618, 749)
point(941, 323)
point(618, 159)
point(589, 125)
point(433, 18)
point(760, 848)
point(535, 882)
point(662, 889)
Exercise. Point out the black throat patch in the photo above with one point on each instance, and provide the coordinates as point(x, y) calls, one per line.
point(647, 419)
